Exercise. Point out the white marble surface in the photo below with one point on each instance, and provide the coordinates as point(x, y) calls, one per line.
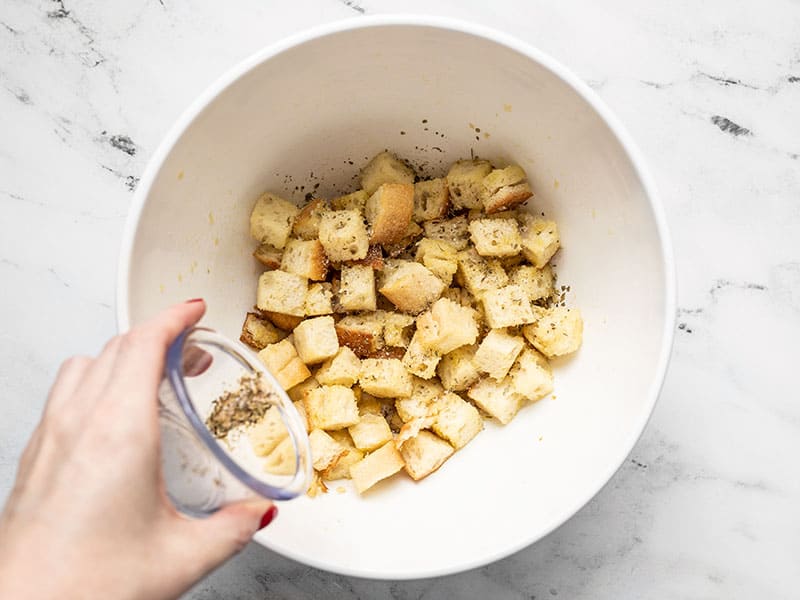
point(708, 505)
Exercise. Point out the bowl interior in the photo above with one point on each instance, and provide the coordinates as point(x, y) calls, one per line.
point(304, 121)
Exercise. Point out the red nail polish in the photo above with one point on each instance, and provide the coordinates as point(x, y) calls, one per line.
point(194, 300)
point(268, 517)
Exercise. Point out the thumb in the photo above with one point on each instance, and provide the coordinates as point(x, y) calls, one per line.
point(207, 543)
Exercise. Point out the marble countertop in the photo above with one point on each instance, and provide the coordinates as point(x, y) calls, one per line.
point(708, 505)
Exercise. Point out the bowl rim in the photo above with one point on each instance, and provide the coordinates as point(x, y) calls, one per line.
point(555, 68)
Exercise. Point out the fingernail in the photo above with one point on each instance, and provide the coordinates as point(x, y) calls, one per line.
point(268, 517)
point(194, 300)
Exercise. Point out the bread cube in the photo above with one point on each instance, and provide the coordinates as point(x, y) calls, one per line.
point(457, 420)
point(539, 241)
point(363, 334)
point(357, 288)
point(505, 188)
point(281, 461)
point(319, 299)
point(325, 451)
point(419, 359)
point(305, 258)
point(352, 455)
point(439, 257)
point(388, 212)
point(455, 231)
point(316, 339)
point(412, 233)
point(299, 392)
point(422, 401)
point(396, 328)
point(306, 223)
point(410, 286)
point(343, 235)
point(496, 237)
point(368, 404)
point(498, 398)
point(465, 182)
point(497, 353)
point(258, 332)
point(355, 201)
point(537, 283)
point(373, 259)
point(342, 369)
point(556, 332)
point(281, 320)
point(282, 292)
point(331, 407)
point(283, 362)
point(457, 369)
point(506, 307)
point(380, 464)
point(271, 220)
point(371, 432)
point(447, 326)
point(268, 255)
point(460, 296)
point(385, 378)
point(478, 274)
point(531, 376)
point(385, 168)
point(424, 453)
point(267, 433)
point(430, 199)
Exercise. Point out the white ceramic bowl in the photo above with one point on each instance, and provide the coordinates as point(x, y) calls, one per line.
point(341, 93)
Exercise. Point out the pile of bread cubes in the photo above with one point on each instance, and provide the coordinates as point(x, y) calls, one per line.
point(400, 316)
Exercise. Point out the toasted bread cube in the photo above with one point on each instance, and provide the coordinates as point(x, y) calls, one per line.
point(496, 237)
point(371, 432)
point(531, 376)
point(305, 258)
point(455, 231)
point(363, 334)
point(497, 353)
point(380, 464)
point(342, 369)
point(439, 257)
point(267, 433)
point(282, 321)
point(457, 369)
point(368, 404)
point(357, 288)
point(556, 332)
point(373, 259)
point(385, 378)
point(447, 326)
point(422, 402)
point(282, 292)
point(343, 235)
point(457, 420)
point(424, 454)
point(412, 233)
point(478, 274)
point(299, 391)
point(355, 201)
point(506, 307)
point(505, 188)
point(316, 339)
point(282, 460)
point(331, 407)
point(282, 361)
point(430, 199)
point(539, 241)
point(306, 223)
point(258, 332)
point(498, 398)
point(388, 211)
point(465, 182)
point(460, 296)
point(352, 455)
point(396, 328)
point(537, 283)
point(325, 451)
point(271, 220)
point(319, 299)
point(385, 168)
point(410, 286)
point(419, 359)
point(268, 255)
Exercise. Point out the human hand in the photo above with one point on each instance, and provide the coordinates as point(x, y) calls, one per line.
point(88, 516)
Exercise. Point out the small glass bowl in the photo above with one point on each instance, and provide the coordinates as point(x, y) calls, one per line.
point(203, 473)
